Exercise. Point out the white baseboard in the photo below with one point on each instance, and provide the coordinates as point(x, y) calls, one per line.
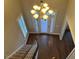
point(15, 51)
point(73, 51)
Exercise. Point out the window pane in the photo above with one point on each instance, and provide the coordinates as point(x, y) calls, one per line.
point(22, 26)
point(44, 26)
point(36, 25)
point(52, 24)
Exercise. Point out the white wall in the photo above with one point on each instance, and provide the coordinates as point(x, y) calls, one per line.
point(70, 17)
point(13, 35)
point(63, 29)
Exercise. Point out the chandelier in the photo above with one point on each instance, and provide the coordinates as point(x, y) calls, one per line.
point(42, 11)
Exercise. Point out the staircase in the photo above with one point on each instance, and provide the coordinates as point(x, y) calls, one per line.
point(26, 52)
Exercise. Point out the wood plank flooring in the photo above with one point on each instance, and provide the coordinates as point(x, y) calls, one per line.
point(50, 47)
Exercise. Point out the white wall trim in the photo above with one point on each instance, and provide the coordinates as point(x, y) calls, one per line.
point(44, 33)
point(63, 30)
point(27, 37)
point(73, 51)
point(15, 51)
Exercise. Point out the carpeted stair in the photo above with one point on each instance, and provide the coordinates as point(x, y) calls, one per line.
point(26, 52)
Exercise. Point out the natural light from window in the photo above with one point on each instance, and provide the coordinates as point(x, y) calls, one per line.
point(22, 26)
point(44, 25)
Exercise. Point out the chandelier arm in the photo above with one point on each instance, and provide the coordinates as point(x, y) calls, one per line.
point(39, 18)
point(43, 10)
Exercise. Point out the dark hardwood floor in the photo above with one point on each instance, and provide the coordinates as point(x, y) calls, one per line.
point(50, 47)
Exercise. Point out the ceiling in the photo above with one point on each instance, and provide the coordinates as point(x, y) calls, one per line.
point(59, 6)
